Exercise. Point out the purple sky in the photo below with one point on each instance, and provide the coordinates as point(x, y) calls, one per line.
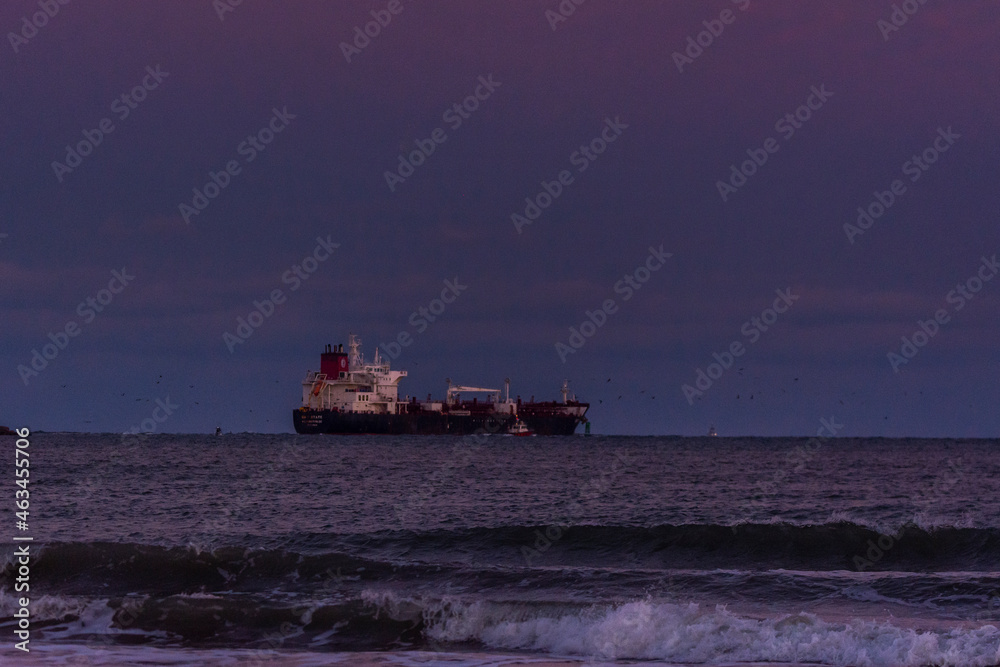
point(893, 93)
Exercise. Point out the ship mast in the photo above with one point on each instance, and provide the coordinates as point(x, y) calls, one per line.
point(354, 343)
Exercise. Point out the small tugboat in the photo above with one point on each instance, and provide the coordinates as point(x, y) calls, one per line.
point(520, 428)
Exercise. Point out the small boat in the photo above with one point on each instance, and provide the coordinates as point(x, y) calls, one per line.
point(712, 431)
point(520, 428)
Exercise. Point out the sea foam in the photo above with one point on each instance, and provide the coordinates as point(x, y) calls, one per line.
point(688, 633)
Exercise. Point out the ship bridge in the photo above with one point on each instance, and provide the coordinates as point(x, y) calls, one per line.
point(347, 383)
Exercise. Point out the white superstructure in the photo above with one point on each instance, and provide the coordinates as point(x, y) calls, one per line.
point(350, 384)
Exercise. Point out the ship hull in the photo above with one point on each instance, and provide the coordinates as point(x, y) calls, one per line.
point(435, 423)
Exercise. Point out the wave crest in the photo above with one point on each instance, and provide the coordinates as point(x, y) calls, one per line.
point(689, 634)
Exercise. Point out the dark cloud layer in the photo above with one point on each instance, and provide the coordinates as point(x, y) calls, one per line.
point(893, 93)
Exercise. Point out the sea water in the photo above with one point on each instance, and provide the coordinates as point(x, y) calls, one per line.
point(497, 550)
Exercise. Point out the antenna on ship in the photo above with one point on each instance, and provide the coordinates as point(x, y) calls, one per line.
point(354, 343)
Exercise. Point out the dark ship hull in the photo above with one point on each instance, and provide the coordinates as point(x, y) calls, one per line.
point(427, 423)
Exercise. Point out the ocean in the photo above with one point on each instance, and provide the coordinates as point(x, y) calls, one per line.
point(246, 549)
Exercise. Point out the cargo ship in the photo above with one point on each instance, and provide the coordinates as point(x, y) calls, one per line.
point(349, 395)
